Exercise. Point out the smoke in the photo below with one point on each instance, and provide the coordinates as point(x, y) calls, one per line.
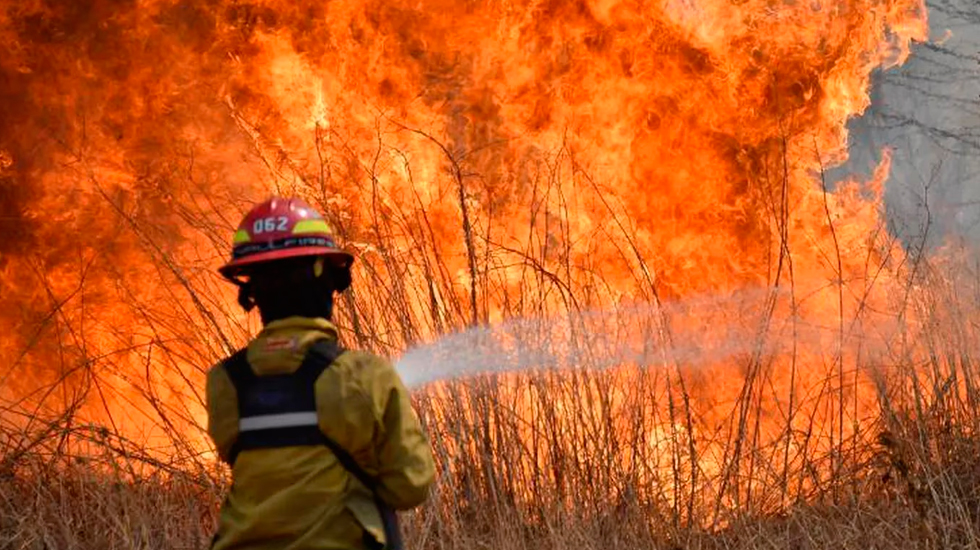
point(928, 113)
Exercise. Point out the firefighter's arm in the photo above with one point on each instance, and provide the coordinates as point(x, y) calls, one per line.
point(222, 402)
point(405, 465)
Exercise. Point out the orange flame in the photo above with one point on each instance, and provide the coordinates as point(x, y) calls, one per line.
point(484, 159)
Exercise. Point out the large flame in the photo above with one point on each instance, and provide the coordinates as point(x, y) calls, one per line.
point(483, 159)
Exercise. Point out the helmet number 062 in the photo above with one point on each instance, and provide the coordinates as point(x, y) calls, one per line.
point(270, 224)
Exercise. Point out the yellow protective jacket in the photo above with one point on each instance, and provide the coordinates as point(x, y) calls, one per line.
point(302, 498)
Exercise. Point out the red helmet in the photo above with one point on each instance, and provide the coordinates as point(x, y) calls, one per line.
point(282, 228)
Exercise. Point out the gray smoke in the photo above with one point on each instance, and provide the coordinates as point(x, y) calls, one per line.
point(928, 113)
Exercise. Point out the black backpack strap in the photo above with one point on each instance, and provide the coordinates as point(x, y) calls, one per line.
point(238, 368)
point(326, 352)
point(389, 518)
point(265, 403)
point(323, 352)
point(241, 375)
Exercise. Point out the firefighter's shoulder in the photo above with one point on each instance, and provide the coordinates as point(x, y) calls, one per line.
point(368, 375)
point(367, 366)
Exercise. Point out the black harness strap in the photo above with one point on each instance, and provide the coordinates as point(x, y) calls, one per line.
point(279, 410)
point(389, 518)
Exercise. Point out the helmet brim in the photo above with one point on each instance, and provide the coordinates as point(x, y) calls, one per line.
point(239, 266)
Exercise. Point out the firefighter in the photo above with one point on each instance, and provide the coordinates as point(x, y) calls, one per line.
point(323, 442)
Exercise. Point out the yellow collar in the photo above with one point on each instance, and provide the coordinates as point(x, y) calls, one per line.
point(301, 323)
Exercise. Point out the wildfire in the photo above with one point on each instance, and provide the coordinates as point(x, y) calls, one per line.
point(484, 160)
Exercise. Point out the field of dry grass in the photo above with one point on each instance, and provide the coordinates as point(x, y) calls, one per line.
point(594, 458)
point(918, 487)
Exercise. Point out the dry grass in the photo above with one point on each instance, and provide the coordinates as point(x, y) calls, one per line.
point(920, 489)
point(558, 459)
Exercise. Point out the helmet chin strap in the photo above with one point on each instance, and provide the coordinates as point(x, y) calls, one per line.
point(244, 294)
point(337, 278)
